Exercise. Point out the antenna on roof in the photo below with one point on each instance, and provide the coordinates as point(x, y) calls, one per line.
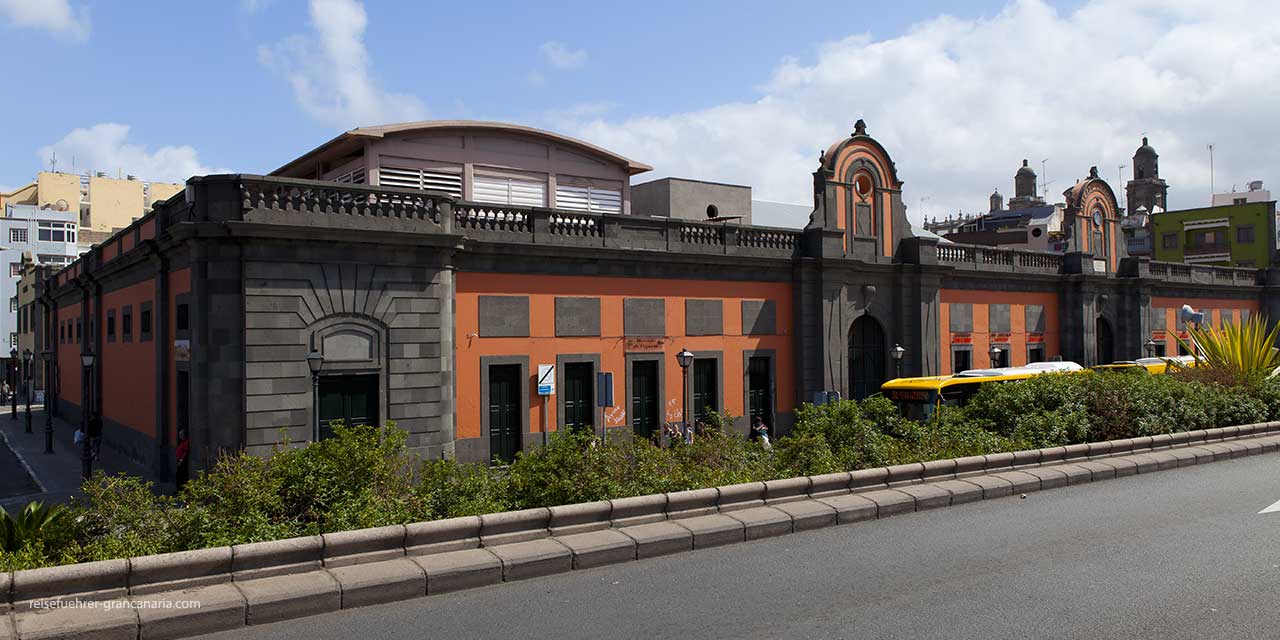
point(1044, 178)
point(53, 163)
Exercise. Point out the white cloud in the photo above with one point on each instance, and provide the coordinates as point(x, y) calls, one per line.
point(561, 56)
point(330, 73)
point(960, 103)
point(104, 147)
point(55, 16)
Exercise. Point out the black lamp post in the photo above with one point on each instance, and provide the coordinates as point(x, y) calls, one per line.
point(26, 383)
point(314, 361)
point(48, 415)
point(86, 406)
point(897, 353)
point(994, 352)
point(13, 361)
point(1150, 346)
point(685, 358)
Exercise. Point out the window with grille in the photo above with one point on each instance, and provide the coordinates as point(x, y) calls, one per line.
point(522, 192)
point(15, 269)
point(439, 179)
point(355, 176)
point(17, 235)
point(584, 195)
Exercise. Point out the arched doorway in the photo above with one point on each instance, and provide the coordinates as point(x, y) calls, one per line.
point(1106, 346)
point(866, 357)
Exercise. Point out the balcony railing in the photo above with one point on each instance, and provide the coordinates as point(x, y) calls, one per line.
point(998, 259)
point(1207, 249)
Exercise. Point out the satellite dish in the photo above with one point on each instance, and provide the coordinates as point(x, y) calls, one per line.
point(62, 205)
point(1190, 316)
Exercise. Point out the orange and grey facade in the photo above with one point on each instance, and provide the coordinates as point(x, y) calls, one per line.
point(437, 267)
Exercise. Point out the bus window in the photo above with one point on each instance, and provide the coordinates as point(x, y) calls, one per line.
point(957, 395)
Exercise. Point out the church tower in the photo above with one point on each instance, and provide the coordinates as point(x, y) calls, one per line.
point(1147, 189)
point(1024, 189)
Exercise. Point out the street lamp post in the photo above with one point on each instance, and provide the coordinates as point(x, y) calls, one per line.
point(314, 361)
point(86, 406)
point(1150, 346)
point(898, 352)
point(684, 358)
point(13, 361)
point(26, 383)
point(48, 415)
point(994, 352)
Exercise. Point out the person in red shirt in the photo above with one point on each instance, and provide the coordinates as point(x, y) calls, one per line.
point(182, 452)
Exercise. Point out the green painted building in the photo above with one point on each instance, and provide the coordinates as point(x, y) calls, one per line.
point(1238, 235)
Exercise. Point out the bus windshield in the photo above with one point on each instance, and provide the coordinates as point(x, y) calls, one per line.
point(914, 404)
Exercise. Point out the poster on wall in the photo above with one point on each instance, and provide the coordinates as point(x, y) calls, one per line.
point(182, 351)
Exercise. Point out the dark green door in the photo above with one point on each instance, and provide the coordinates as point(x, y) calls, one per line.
point(644, 397)
point(759, 396)
point(504, 411)
point(579, 396)
point(705, 396)
point(351, 399)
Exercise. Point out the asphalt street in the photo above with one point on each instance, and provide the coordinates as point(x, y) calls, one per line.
point(14, 479)
point(1176, 554)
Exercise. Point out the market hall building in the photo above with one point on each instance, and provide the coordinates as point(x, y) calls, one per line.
point(429, 271)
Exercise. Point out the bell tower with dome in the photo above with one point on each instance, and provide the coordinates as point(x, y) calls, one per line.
point(1147, 190)
point(1024, 187)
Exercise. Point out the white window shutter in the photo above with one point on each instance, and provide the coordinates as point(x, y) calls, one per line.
point(513, 191)
point(598, 199)
point(450, 183)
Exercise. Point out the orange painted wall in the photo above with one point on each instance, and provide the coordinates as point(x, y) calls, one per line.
point(542, 345)
point(69, 357)
point(179, 283)
point(881, 201)
point(981, 329)
point(129, 398)
point(1212, 308)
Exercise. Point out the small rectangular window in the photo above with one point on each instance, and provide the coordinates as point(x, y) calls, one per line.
point(182, 322)
point(15, 269)
point(126, 323)
point(111, 325)
point(79, 333)
point(1169, 241)
point(961, 360)
point(1244, 234)
point(144, 322)
point(17, 235)
point(13, 305)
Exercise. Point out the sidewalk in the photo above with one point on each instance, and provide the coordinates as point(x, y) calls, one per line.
point(56, 475)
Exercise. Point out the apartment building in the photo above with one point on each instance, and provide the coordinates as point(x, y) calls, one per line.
point(103, 204)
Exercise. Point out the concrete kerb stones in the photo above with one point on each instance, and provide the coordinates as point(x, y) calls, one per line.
point(283, 579)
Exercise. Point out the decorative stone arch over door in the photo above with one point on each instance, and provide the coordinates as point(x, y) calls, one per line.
point(353, 371)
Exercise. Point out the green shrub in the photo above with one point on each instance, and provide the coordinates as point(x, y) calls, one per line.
point(855, 440)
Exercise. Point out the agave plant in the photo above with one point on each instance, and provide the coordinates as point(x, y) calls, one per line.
point(1243, 351)
point(27, 525)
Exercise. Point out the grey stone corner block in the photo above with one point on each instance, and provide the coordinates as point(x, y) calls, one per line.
point(1021, 481)
point(1123, 445)
point(276, 557)
point(1050, 455)
point(289, 596)
point(222, 607)
point(102, 580)
point(514, 526)
point(691, 503)
point(533, 558)
point(900, 473)
point(970, 464)
point(658, 538)
point(106, 623)
point(456, 570)
point(741, 496)
point(1100, 448)
point(763, 522)
point(378, 582)
point(808, 514)
point(639, 510)
point(578, 518)
point(599, 548)
point(1141, 443)
point(927, 496)
point(1179, 437)
point(961, 491)
point(363, 545)
point(890, 502)
point(439, 536)
point(713, 530)
point(993, 487)
point(179, 570)
point(829, 484)
point(868, 479)
point(1026, 458)
point(851, 507)
point(786, 490)
point(1157, 441)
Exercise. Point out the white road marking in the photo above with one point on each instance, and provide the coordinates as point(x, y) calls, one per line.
point(1271, 509)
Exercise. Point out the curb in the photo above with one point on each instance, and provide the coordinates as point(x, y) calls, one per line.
point(283, 579)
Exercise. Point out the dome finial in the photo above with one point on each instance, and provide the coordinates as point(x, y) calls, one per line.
point(860, 128)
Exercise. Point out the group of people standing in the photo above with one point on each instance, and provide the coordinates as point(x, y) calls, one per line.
point(673, 432)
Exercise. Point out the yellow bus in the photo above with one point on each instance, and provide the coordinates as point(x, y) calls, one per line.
point(1154, 365)
point(919, 398)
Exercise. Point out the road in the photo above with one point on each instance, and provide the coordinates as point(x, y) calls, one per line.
point(14, 479)
point(1175, 554)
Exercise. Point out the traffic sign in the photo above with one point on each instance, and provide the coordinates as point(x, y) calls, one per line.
point(546, 379)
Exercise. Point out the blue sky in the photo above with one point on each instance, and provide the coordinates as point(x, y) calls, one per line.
point(738, 92)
